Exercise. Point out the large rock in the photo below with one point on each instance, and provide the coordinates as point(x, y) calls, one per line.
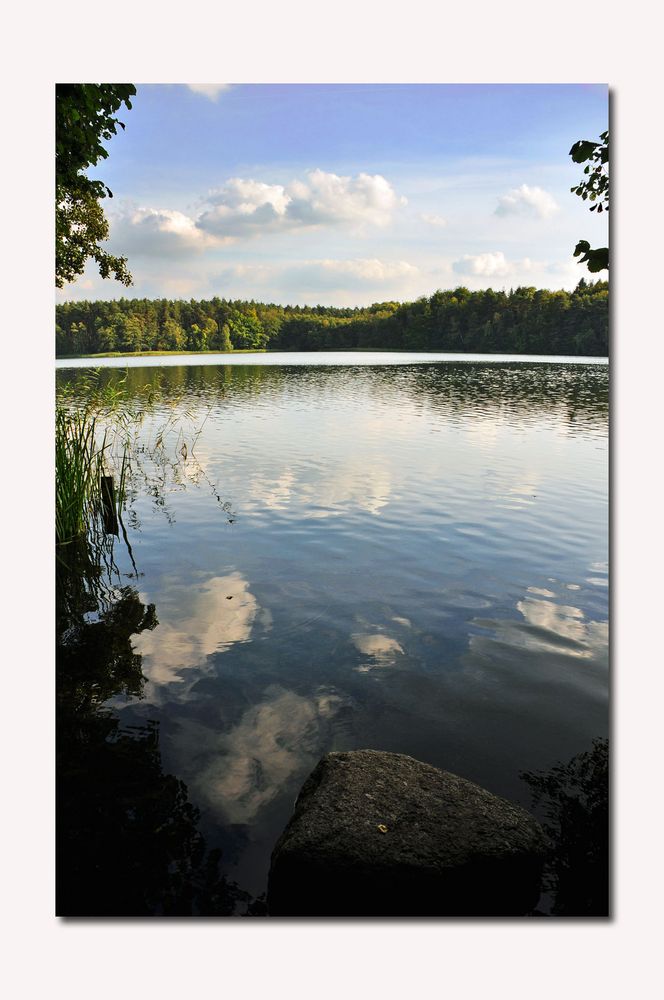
point(382, 834)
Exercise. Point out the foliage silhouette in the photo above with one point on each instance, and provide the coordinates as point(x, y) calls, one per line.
point(84, 118)
point(595, 188)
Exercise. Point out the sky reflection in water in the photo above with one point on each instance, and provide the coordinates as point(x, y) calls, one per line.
point(417, 562)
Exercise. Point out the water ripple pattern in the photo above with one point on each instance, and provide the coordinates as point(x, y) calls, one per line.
point(410, 557)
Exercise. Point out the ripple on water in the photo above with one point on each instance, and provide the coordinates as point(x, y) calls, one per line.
point(417, 560)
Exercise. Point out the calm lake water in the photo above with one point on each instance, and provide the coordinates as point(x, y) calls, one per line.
point(406, 557)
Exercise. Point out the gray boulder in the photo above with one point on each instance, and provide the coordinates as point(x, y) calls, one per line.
point(382, 834)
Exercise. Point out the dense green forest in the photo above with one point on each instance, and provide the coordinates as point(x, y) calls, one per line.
point(521, 321)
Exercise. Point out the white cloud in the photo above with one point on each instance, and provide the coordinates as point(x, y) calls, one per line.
point(159, 232)
point(568, 271)
point(527, 201)
point(358, 273)
point(211, 90)
point(242, 207)
point(488, 265)
point(433, 220)
point(245, 206)
point(245, 276)
point(352, 281)
point(329, 198)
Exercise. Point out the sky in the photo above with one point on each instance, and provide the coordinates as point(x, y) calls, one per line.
point(347, 194)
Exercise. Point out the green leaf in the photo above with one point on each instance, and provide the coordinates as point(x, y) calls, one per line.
point(582, 150)
point(596, 260)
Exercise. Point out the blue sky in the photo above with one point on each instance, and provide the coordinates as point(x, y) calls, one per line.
point(347, 194)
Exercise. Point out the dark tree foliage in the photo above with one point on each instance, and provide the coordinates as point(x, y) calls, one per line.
point(85, 117)
point(595, 188)
point(523, 321)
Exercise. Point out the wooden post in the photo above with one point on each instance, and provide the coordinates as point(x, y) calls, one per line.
point(108, 505)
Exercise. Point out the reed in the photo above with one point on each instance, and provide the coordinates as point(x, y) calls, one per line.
point(101, 433)
point(80, 451)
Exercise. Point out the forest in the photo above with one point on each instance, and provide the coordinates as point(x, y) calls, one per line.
point(522, 321)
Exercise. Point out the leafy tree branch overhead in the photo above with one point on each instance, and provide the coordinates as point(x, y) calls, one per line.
point(595, 188)
point(85, 116)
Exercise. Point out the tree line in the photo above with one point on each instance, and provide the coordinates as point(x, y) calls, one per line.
point(522, 321)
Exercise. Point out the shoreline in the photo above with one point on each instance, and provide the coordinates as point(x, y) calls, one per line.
point(340, 350)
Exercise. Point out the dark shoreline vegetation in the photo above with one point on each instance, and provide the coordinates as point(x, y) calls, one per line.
point(522, 321)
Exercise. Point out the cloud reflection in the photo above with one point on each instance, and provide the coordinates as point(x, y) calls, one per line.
point(275, 494)
point(358, 484)
point(380, 650)
point(211, 618)
point(547, 627)
point(242, 770)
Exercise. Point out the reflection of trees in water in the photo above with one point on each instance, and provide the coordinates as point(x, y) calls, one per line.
point(127, 837)
point(574, 800)
point(575, 394)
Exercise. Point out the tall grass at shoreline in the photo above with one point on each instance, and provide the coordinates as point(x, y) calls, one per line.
point(85, 453)
point(80, 450)
point(101, 432)
point(87, 514)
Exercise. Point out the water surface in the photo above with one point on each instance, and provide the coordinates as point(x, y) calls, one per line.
point(318, 358)
point(405, 557)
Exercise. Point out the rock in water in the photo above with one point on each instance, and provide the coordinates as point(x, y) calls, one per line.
point(382, 834)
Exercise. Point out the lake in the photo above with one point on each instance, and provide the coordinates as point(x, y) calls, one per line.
point(406, 554)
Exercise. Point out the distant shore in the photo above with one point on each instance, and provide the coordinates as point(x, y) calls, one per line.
point(250, 350)
point(158, 354)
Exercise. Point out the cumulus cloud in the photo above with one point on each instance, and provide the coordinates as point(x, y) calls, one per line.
point(487, 265)
point(329, 198)
point(245, 206)
point(160, 232)
point(495, 270)
point(211, 90)
point(527, 201)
